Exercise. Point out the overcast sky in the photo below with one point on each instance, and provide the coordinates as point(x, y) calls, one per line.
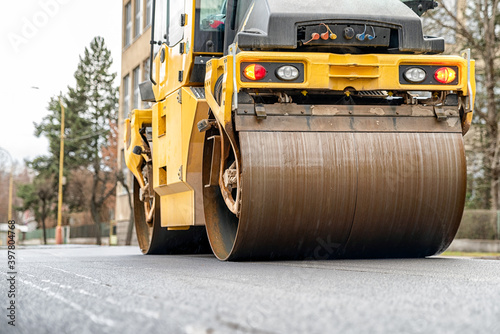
point(40, 43)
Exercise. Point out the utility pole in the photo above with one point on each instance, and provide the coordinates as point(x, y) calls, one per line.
point(59, 239)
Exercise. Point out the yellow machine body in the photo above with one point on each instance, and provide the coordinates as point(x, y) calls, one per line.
point(177, 153)
point(177, 158)
point(371, 72)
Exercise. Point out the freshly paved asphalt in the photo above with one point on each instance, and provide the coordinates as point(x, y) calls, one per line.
point(87, 289)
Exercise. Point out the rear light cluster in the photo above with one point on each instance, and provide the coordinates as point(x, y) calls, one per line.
point(415, 75)
point(419, 75)
point(445, 75)
point(287, 73)
point(257, 72)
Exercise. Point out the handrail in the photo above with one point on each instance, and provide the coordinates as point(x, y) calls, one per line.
point(467, 54)
point(152, 42)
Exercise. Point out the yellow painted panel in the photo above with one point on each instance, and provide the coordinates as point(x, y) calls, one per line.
point(177, 209)
point(173, 146)
point(326, 71)
point(183, 147)
point(132, 138)
point(362, 72)
point(159, 145)
point(216, 68)
point(187, 123)
point(194, 153)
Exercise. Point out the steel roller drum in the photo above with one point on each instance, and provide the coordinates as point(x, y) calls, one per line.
point(344, 195)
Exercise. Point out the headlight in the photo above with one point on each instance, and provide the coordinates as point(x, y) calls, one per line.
point(415, 75)
point(287, 73)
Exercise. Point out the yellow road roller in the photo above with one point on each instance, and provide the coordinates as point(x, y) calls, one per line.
point(299, 129)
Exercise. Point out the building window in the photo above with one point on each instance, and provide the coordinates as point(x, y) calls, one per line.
point(137, 94)
point(125, 172)
point(126, 96)
point(146, 71)
point(145, 77)
point(128, 23)
point(138, 18)
point(148, 12)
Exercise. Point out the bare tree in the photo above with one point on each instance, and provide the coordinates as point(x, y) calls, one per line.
point(475, 24)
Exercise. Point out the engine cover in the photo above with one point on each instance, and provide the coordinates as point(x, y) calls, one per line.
point(286, 24)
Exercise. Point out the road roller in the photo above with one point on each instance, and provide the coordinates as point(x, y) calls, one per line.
point(299, 129)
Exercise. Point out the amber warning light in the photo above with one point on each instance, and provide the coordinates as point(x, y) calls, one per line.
point(255, 72)
point(445, 75)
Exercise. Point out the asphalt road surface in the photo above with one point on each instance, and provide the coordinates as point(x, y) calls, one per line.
point(87, 289)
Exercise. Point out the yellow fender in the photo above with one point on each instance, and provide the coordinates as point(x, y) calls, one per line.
point(138, 119)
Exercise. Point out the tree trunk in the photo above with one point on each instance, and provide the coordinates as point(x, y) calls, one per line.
point(44, 231)
point(95, 216)
point(43, 216)
point(489, 13)
point(494, 168)
point(98, 234)
point(494, 193)
point(494, 174)
point(94, 204)
point(493, 130)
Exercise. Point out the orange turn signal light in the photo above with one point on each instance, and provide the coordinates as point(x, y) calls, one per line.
point(445, 75)
point(254, 72)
